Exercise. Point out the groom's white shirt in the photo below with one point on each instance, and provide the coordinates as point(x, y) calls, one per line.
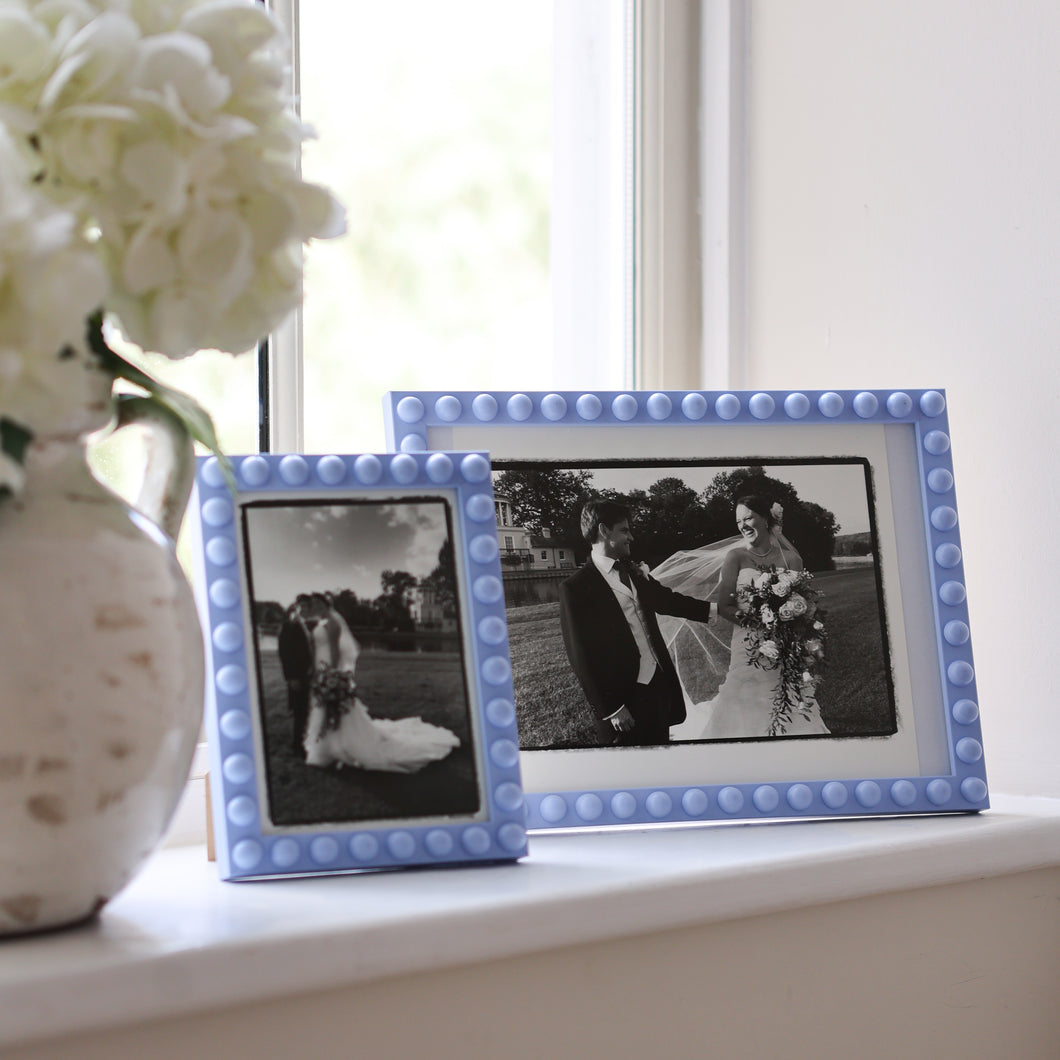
point(627, 600)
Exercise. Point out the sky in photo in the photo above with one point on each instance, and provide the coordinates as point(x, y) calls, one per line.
point(321, 547)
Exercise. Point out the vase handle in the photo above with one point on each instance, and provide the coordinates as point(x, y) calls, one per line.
point(170, 471)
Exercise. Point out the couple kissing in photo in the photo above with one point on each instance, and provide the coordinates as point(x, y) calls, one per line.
point(331, 725)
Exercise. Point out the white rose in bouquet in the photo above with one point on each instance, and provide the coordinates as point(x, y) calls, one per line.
point(781, 587)
point(794, 607)
point(770, 650)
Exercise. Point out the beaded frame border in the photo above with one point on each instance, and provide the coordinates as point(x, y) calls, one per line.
point(248, 846)
point(417, 421)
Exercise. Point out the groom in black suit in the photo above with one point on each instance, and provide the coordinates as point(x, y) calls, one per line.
point(296, 660)
point(607, 611)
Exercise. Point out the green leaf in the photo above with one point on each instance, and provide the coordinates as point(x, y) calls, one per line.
point(14, 439)
point(191, 415)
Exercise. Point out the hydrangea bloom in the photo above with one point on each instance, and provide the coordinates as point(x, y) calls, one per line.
point(49, 283)
point(160, 136)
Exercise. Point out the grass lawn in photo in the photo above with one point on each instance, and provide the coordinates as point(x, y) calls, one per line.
point(392, 684)
point(854, 695)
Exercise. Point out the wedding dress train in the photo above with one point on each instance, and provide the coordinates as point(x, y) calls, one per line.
point(349, 735)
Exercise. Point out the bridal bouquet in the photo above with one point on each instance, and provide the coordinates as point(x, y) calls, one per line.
point(336, 690)
point(785, 632)
point(150, 184)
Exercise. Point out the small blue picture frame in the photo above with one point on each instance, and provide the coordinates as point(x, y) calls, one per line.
point(930, 760)
point(359, 701)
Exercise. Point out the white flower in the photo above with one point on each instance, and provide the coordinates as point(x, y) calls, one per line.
point(781, 587)
point(777, 512)
point(50, 281)
point(769, 649)
point(24, 46)
point(766, 615)
point(166, 127)
point(149, 167)
point(11, 473)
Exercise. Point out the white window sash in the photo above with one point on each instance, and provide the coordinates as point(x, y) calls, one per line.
point(723, 175)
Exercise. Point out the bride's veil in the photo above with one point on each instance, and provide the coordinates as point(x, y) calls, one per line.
point(697, 571)
point(700, 651)
point(345, 648)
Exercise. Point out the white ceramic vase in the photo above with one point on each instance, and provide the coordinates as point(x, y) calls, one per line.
point(101, 690)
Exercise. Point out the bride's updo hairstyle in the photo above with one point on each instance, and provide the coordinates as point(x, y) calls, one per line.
point(759, 505)
point(596, 512)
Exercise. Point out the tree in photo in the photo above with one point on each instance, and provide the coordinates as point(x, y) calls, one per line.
point(393, 603)
point(547, 501)
point(358, 613)
point(268, 615)
point(441, 582)
point(668, 518)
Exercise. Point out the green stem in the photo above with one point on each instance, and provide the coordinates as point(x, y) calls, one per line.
point(188, 412)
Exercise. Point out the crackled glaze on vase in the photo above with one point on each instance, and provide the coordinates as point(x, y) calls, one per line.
point(100, 695)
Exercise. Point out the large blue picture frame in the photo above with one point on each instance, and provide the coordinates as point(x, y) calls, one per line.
point(310, 528)
point(928, 760)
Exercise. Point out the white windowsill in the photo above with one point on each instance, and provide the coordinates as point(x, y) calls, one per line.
point(179, 941)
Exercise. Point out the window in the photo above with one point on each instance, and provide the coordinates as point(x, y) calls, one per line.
point(502, 167)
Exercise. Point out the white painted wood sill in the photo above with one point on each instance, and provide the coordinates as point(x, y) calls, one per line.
point(178, 941)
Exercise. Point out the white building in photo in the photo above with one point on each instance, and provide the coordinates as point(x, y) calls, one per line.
point(523, 551)
point(431, 610)
point(514, 540)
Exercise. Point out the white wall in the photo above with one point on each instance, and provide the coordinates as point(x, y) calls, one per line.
point(903, 229)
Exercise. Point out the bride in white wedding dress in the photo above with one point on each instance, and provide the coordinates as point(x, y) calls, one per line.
point(743, 707)
point(341, 732)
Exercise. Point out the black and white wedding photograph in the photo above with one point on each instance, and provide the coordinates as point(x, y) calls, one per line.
point(651, 603)
point(363, 693)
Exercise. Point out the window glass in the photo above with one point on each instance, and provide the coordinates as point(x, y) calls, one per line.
point(437, 128)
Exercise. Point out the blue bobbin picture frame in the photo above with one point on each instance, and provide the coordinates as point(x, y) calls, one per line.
point(241, 542)
point(903, 437)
